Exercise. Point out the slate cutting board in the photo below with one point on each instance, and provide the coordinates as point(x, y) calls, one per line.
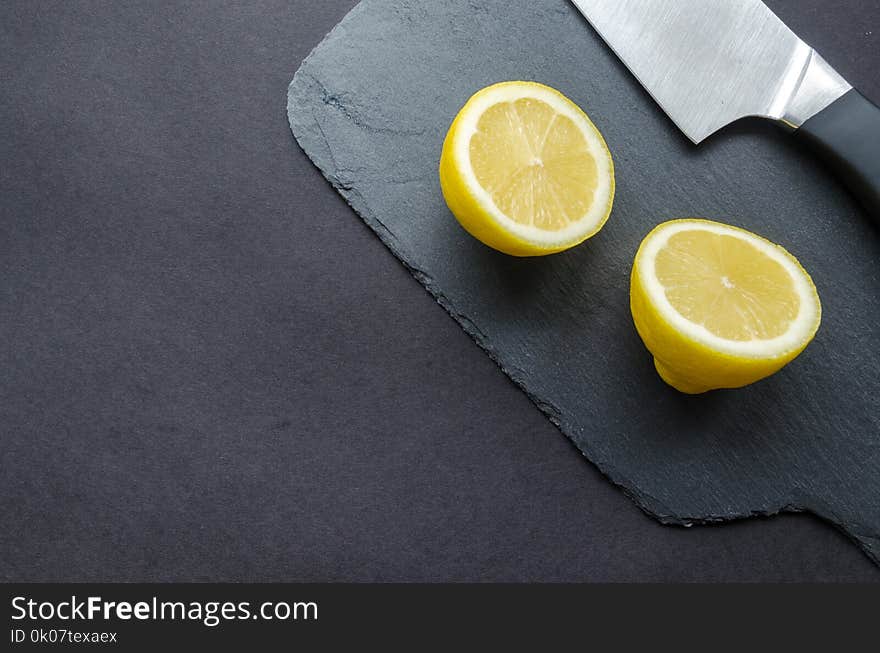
point(370, 107)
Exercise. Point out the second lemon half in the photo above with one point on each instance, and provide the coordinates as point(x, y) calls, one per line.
point(525, 171)
point(719, 306)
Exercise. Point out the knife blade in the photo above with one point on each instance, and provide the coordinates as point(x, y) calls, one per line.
point(708, 63)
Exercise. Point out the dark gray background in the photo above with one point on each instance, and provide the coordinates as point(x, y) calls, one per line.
point(213, 370)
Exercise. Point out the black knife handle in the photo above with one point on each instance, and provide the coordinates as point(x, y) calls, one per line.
point(846, 133)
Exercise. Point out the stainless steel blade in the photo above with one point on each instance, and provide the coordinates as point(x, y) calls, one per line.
point(710, 62)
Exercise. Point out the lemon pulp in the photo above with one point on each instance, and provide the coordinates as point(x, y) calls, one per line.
point(534, 163)
point(726, 285)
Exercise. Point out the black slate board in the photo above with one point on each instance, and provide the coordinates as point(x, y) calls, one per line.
point(370, 107)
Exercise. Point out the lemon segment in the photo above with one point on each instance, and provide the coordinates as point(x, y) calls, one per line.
point(718, 306)
point(525, 171)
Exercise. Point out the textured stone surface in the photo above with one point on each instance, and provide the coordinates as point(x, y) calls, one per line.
point(370, 107)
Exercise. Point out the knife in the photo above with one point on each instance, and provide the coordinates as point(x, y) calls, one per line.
point(708, 63)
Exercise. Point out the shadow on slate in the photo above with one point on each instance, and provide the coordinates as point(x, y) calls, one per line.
point(370, 106)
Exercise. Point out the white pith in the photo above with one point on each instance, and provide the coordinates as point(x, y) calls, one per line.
point(577, 229)
point(800, 329)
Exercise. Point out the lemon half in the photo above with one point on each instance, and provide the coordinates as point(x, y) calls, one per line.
point(525, 171)
point(719, 306)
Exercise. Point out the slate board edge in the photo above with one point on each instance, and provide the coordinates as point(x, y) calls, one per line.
point(307, 133)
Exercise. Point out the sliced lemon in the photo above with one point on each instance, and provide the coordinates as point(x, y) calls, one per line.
point(718, 306)
point(525, 171)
